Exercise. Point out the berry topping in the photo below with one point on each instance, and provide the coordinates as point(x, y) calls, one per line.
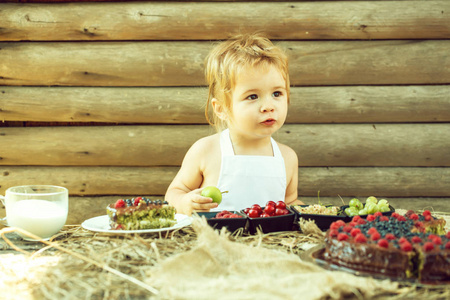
point(136, 201)
point(375, 236)
point(120, 203)
point(395, 215)
point(360, 238)
point(428, 246)
point(337, 224)
point(416, 239)
point(370, 218)
point(402, 240)
point(427, 217)
point(437, 240)
point(356, 218)
point(447, 246)
point(372, 230)
point(384, 218)
point(342, 237)
point(426, 213)
point(361, 222)
point(378, 214)
point(406, 246)
point(383, 243)
point(414, 217)
point(334, 233)
point(348, 228)
point(390, 236)
point(355, 231)
point(401, 218)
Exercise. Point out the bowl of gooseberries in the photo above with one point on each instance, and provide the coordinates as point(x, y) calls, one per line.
point(372, 205)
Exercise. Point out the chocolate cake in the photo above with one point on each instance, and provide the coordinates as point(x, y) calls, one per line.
point(140, 213)
point(402, 247)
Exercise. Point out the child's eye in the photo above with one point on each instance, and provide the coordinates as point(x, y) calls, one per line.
point(252, 97)
point(277, 94)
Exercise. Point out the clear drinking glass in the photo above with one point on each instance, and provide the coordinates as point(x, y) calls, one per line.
point(38, 209)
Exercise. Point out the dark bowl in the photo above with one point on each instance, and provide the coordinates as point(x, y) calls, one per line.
point(272, 224)
point(348, 219)
point(322, 221)
point(232, 224)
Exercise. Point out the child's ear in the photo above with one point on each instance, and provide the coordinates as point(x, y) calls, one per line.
point(219, 109)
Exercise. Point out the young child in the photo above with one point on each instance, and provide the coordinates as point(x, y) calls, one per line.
point(249, 95)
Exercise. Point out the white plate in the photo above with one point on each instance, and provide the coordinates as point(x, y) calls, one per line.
point(101, 224)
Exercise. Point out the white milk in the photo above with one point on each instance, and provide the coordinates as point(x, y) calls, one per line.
point(40, 217)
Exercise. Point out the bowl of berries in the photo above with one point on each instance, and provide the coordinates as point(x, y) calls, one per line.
point(274, 216)
point(232, 220)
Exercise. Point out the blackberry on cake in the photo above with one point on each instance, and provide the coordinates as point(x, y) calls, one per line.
point(140, 213)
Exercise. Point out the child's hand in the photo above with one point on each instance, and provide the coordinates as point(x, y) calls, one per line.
point(193, 201)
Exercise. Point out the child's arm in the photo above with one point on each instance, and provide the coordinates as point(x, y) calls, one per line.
point(184, 192)
point(291, 162)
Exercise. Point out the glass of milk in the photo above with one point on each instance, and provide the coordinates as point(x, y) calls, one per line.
point(39, 209)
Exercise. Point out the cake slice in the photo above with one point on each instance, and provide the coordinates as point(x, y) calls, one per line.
point(140, 213)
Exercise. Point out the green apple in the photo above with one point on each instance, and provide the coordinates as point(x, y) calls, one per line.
point(212, 192)
point(363, 212)
point(372, 199)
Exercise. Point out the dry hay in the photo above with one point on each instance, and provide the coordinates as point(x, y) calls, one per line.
point(79, 264)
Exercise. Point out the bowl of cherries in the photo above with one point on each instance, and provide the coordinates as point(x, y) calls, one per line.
point(274, 216)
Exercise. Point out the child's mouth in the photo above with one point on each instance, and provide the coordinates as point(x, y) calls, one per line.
point(269, 122)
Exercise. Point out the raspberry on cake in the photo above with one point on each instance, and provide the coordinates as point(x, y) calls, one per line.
point(402, 247)
point(140, 213)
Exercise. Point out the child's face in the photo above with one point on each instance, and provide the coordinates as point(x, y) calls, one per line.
point(259, 102)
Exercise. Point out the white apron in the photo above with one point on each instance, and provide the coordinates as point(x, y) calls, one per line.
point(250, 179)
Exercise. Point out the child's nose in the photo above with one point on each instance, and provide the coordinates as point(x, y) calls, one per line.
point(267, 105)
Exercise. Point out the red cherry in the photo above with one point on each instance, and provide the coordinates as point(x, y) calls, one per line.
point(247, 210)
point(280, 205)
point(257, 207)
point(254, 213)
point(271, 203)
point(265, 215)
point(279, 212)
point(269, 209)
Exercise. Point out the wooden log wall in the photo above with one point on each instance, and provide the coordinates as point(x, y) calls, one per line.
point(105, 98)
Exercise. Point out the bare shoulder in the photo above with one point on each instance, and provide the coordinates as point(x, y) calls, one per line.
point(289, 154)
point(205, 144)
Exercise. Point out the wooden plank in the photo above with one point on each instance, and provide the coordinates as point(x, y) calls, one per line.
point(181, 63)
point(83, 208)
point(183, 105)
point(163, 145)
point(331, 182)
point(386, 182)
point(208, 21)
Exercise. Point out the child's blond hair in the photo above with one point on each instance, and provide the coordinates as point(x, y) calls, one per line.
point(227, 59)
